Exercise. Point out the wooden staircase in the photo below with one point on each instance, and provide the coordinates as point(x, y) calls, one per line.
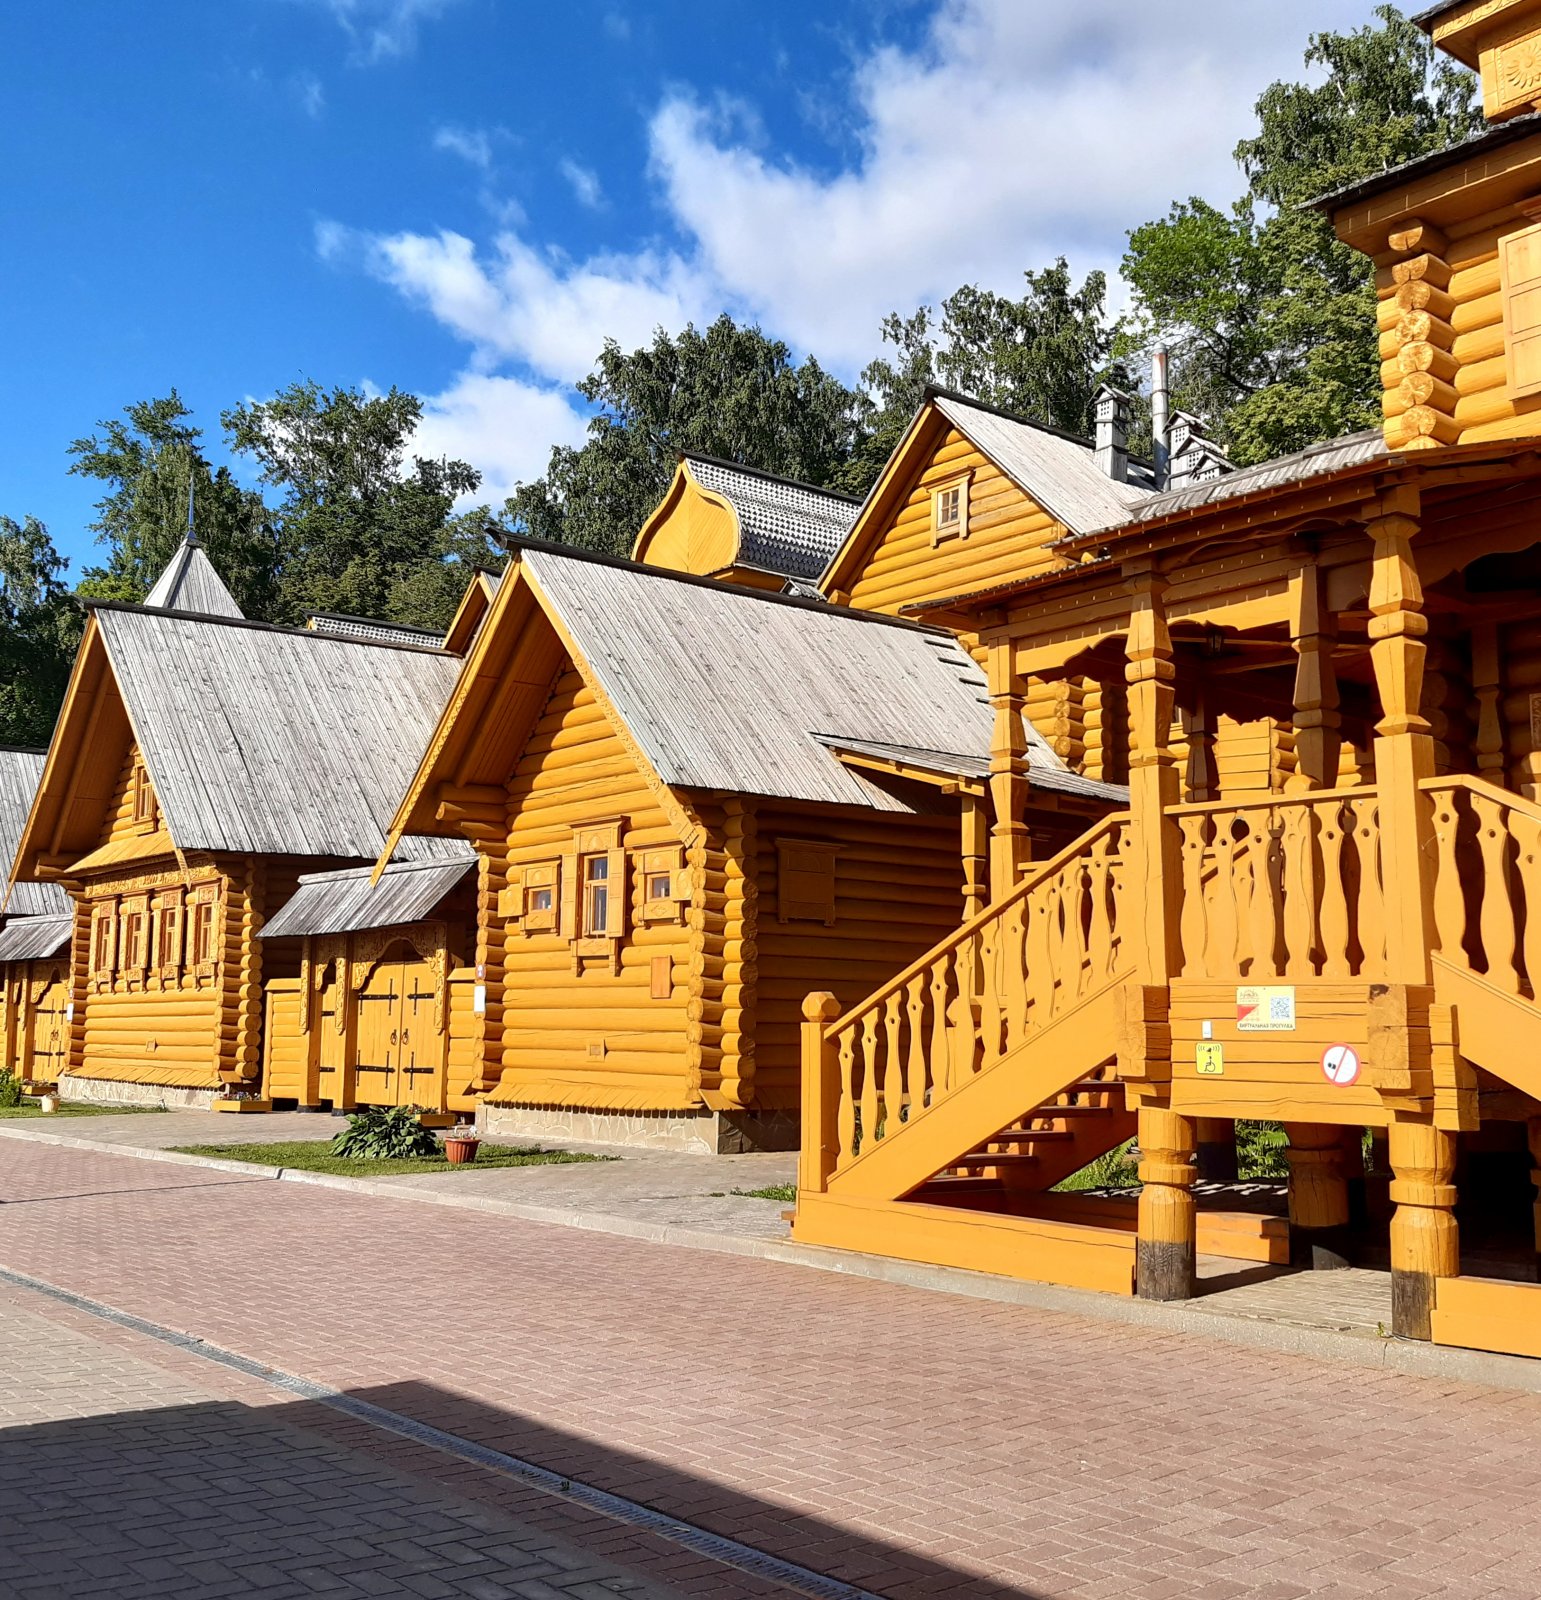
point(981, 1072)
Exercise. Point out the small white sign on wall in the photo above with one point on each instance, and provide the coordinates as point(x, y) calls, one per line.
point(479, 999)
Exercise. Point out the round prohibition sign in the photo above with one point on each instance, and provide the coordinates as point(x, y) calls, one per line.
point(1340, 1064)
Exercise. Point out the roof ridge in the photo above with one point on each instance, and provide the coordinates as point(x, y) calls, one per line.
point(132, 609)
point(770, 477)
point(374, 622)
point(519, 541)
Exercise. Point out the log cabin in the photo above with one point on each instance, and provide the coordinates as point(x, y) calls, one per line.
point(1352, 949)
point(720, 519)
point(686, 796)
point(34, 942)
point(201, 765)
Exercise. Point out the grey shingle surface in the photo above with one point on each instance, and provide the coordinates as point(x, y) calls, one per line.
point(345, 902)
point(788, 528)
point(20, 771)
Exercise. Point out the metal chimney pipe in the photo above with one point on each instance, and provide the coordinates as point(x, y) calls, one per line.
point(1160, 410)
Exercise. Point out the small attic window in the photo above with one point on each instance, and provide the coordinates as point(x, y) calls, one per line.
point(146, 812)
point(949, 510)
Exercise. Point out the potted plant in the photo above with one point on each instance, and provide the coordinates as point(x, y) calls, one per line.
point(461, 1145)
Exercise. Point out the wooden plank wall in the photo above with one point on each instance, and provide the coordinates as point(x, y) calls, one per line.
point(591, 1037)
point(898, 892)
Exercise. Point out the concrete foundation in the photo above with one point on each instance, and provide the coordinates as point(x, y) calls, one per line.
point(107, 1092)
point(710, 1133)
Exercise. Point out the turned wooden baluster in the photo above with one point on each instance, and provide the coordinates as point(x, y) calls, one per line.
point(893, 1063)
point(915, 1038)
point(1228, 902)
point(1116, 899)
point(870, 1113)
point(1060, 955)
point(1497, 913)
point(1297, 830)
point(961, 1015)
point(1449, 892)
point(1372, 895)
point(1013, 941)
point(845, 1122)
point(941, 1056)
point(1074, 895)
point(989, 992)
point(1099, 935)
point(1194, 926)
point(1527, 836)
point(1335, 815)
point(1040, 969)
point(1262, 923)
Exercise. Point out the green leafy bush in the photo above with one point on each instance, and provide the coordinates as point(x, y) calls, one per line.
point(381, 1134)
point(10, 1090)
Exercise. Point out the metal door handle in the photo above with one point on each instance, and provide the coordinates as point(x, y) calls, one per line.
point(393, 1036)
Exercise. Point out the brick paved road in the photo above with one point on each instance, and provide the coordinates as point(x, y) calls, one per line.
point(916, 1443)
point(127, 1470)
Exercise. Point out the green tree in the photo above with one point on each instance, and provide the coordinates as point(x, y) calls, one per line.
point(1270, 317)
point(1041, 356)
point(729, 391)
point(40, 626)
point(361, 529)
point(151, 459)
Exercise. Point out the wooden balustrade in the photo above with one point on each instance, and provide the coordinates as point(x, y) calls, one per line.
point(1487, 885)
point(1282, 887)
point(969, 1002)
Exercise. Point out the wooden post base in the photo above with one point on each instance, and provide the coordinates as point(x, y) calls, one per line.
point(1165, 1249)
point(1424, 1241)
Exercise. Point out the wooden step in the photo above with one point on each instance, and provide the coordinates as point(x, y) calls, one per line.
point(1050, 1112)
point(1031, 1136)
point(994, 1158)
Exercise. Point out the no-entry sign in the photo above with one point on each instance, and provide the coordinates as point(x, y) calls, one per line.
point(1340, 1064)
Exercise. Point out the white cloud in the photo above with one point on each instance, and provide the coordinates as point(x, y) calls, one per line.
point(526, 305)
point(1009, 135)
point(472, 145)
point(504, 427)
point(381, 30)
point(308, 91)
point(585, 183)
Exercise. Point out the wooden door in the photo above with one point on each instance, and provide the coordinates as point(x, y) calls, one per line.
point(421, 1060)
point(50, 1030)
point(378, 1052)
point(331, 1003)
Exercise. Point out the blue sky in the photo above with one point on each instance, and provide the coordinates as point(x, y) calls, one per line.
point(464, 197)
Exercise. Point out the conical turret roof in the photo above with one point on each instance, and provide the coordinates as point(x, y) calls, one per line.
point(190, 583)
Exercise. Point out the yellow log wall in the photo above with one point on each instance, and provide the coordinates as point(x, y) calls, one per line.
point(898, 892)
point(1007, 538)
point(577, 1033)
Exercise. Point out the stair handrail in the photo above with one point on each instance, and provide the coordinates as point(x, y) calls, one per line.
point(1036, 874)
point(1262, 802)
point(1485, 787)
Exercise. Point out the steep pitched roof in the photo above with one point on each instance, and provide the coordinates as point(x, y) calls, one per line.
point(347, 901)
point(20, 772)
point(190, 583)
point(271, 741)
point(785, 527)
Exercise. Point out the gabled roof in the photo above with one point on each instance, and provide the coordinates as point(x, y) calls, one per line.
point(785, 527)
point(347, 901)
point(717, 687)
point(20, 772)
point(472, 611)
point(258, 739)
point(1056, 470)
point(190, 583)
point(1048, 773)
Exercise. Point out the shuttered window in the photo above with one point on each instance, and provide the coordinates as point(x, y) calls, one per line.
point(665, 884)
point(104, 941)
point(949, 510)
point(168, 934)
point(805, 880)
point(1519, 259)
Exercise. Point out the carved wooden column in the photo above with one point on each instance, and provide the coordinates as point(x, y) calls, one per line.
point(1203, 777)
point(1424, 1245)
point(1010, 848)
point(1404, 748)
point(1487, 687)
point(1317, 720)
point(1318, 1195)
point(821, 1094)
point(1155, 863)
point(1164, 1246)
point(976, 855)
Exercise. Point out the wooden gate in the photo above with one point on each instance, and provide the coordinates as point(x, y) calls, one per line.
point(400, 1055)
point(50, 1028)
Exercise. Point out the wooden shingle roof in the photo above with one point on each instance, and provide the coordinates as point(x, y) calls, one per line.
point(190, 583)
point(20, 771)
point(273, 741)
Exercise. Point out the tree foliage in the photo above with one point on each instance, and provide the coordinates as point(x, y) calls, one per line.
point(361, 529)
point(729, 391)
point(151, 460)
point(1271, 317)
point(40, 626)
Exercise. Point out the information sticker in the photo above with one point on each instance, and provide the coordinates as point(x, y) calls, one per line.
point(1340, 1064)
point(479, 1000)
point(1266, 1009)
point(1210, 1061)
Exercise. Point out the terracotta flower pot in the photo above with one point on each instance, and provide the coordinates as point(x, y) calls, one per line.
point(460, 1151)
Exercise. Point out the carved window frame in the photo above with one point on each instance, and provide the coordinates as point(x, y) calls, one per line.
point(134, 938)
point(532, 901)
point(203, 932)
point(168, 930)
point(949, 495)
point(146, 807)
point(663, 883)
point(104, 941)
point(595, 841)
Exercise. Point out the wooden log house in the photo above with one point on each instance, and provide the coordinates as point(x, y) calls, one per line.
point(200, 766)
point(1352, 945)
point(34, 942)
point(688, 797)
